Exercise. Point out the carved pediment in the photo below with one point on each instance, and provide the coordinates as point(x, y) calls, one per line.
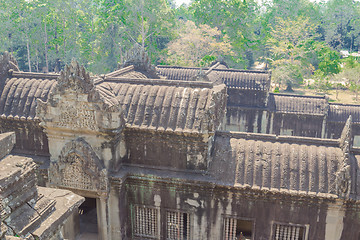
point(77, 104)
point(79, 168)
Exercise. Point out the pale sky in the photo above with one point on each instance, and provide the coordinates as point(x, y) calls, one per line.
point(179, 2)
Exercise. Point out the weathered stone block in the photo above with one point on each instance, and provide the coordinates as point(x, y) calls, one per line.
point(7, 142)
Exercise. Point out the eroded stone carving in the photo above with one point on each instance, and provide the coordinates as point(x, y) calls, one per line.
point(77, 117)
point(79, 168)
point(138, 57)
point(7, 63)
point(343, 175)
point(74, 77)
point(75, 103)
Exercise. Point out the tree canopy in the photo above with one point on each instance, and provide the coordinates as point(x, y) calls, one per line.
point(297, 34)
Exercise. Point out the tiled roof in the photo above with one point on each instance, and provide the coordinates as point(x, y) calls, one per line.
point(240, 79)
point(127, 72)
point(284, 103)
point(177, 73)
point(18, 98)
point(341, 112)
point(296, 165)
point(245, 79)
point(163, 104)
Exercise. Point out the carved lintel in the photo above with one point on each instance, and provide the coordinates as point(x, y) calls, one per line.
point(343, 181)
point(78, 167)
point(346, 136)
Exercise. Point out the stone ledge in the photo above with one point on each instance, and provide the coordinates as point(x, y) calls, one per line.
point(7, 142)
point(66, 203)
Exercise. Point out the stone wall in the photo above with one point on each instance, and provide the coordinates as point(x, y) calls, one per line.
point(209, 205)
point(171, 150)
point(31, 138)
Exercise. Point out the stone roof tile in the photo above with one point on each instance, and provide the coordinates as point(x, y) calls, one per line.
point(240, 79)
point(296, 104)
point(270, 163)
point(163, 104)
point(18, 98)
point(341, 112)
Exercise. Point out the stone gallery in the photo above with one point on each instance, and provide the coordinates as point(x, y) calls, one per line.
point(173, 152)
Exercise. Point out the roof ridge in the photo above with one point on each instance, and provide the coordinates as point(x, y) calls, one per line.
point(35, 75)
point(216, 69)
point(345, 104)
point(298, 96)
point(177, 83)
point(120, 71)
point(280, 138)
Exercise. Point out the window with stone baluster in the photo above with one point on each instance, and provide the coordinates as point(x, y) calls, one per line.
point(145, 222)
point(237, 229)
point(283, 231)
point(178, 225)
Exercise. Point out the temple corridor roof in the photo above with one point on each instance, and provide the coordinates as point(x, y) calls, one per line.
point(233, 78)
point(162, 104)
point(18, 97)
point(295, 165)
point(285, 103)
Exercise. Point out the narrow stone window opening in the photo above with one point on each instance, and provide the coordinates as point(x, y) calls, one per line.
point(178, 226)
point(145, 222)
point(88, 220)
point(237, 229)
point(288, 232)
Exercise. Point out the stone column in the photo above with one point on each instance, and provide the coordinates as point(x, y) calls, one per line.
point(334, 221)
point(101, 208)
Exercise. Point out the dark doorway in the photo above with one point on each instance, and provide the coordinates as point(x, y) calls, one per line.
point(88, 220)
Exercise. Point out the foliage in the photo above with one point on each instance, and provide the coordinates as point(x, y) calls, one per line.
point(288, 36)
point(288, 74)
point(196, 43)
point(239, 20)
point(340, 24)
point(322, 84)
point(352, 77)
point(329, 61)
point(45, 35)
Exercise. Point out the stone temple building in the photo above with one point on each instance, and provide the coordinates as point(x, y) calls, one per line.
point(186, 153)
point(27, 210)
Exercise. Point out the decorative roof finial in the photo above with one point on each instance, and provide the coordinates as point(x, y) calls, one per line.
point(74, 77)
point(7, 63)
point(139, 58)
point(346, 135)
point(343, 175)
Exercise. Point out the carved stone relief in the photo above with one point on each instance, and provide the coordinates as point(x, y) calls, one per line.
point(77, 117)
point(79, 168)
point(75, 103)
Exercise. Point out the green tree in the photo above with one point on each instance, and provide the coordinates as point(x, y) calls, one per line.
point(329, 62)
point(288, 37)
point(197, 43)
point(340, 18)
point(286, 44)
point(238, 20)
point(288, 74)
point(352, 76)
